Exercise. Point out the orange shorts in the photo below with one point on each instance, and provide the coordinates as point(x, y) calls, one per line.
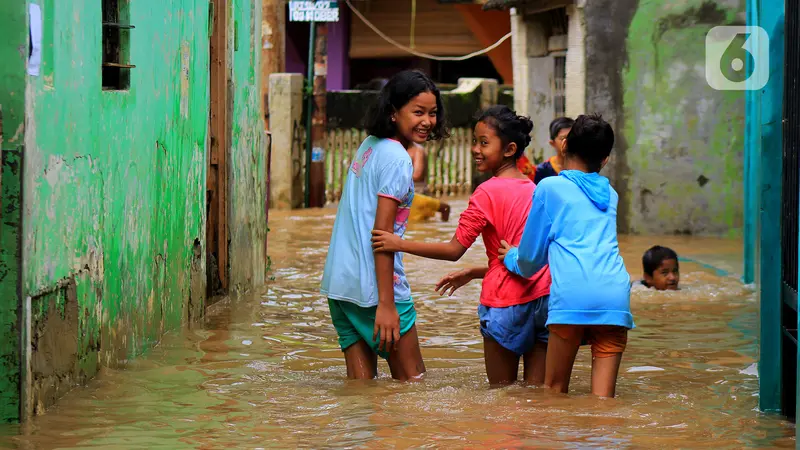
point(606, 340)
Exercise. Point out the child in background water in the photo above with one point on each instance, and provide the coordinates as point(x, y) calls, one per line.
point(424, 207)
point(512, 310)
point(573, 228)
point(559, 128)
point(661, 270)
point(369, 296)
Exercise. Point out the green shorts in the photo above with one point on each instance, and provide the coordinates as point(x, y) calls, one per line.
point(354, 323)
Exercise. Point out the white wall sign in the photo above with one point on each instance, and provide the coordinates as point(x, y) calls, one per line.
point(311, 11)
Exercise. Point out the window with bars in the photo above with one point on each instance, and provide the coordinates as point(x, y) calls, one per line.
point(116, 45)
point(556, 25)
point(559, 86)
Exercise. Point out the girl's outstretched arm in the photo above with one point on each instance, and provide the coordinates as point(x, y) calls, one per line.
point(387, 321)
point(387, 241)
point(452, 281)
point(470, 226)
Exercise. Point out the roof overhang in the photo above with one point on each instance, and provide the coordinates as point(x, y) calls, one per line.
point(528, 6)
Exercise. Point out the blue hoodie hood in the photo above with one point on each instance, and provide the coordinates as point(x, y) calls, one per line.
point(594, 185)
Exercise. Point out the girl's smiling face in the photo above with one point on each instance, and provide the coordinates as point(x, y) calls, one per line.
point(488, 150)
point(416, 119)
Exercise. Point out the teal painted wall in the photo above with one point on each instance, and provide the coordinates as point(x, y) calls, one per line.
point(684, 161)
point(13, 23)
point(752, 175)
point(115, 184)
point(770, 113)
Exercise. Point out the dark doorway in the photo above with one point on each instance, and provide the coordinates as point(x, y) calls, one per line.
point(790, 204)
point(219, 130)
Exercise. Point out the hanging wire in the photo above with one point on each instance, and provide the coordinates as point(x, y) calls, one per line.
point(413, 23)
point(420, 54)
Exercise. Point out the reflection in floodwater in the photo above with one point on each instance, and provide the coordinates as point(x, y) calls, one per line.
point(265, 370)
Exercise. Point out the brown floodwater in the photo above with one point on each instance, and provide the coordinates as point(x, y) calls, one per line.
point(264, 370)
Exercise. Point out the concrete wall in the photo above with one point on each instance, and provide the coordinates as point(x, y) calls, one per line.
point(607, 24)
point(533, 80)
point(679, 155)
point(115, 185)
point(286, 119)
point(576, 60)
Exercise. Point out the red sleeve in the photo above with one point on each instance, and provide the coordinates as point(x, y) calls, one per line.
point(524, 165)
point(473, 220)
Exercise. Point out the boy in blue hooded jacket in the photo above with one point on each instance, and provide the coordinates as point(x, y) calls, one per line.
point(572, 225)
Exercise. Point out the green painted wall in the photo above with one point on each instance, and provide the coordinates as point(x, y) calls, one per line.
point(13, 23)
point(685, 155)
point(248, 214)
point(115, 180)
point(115, 184)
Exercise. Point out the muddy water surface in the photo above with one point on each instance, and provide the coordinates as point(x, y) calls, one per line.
point(265, 370)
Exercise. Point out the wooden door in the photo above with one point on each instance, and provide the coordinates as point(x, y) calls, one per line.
point(219, 149)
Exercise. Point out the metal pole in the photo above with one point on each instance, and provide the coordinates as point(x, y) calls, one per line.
point(309, 108)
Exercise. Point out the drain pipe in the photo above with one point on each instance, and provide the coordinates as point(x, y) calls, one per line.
point(312, 38)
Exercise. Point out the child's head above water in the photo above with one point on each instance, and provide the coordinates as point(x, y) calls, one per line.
point(559, 129)
point(590, 140)
point(409, 108)
point(661, 269)
point(499, 138)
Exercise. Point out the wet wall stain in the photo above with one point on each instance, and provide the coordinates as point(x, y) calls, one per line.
point(54, 346)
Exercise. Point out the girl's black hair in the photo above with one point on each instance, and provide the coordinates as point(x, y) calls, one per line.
point(400, 90)
point(509, 126)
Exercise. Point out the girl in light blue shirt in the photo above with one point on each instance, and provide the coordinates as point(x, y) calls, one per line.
point(368, 294)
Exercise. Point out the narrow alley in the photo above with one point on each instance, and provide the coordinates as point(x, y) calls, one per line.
point(265, 370)
point(170, 172)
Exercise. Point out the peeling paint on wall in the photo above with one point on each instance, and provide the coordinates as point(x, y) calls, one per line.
point(686, 142)
point(115, 182)
point(248, 224)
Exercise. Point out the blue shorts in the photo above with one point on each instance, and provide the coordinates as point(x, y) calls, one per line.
point(517, 328)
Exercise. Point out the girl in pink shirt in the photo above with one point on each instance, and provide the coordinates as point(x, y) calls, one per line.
point(513, 310)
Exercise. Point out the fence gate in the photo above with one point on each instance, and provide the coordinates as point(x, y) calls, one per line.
point(790, 205)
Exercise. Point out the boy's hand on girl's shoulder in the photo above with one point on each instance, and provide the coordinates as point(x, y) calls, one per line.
point(503, 250)
point(385, 241)
point(453, 281)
